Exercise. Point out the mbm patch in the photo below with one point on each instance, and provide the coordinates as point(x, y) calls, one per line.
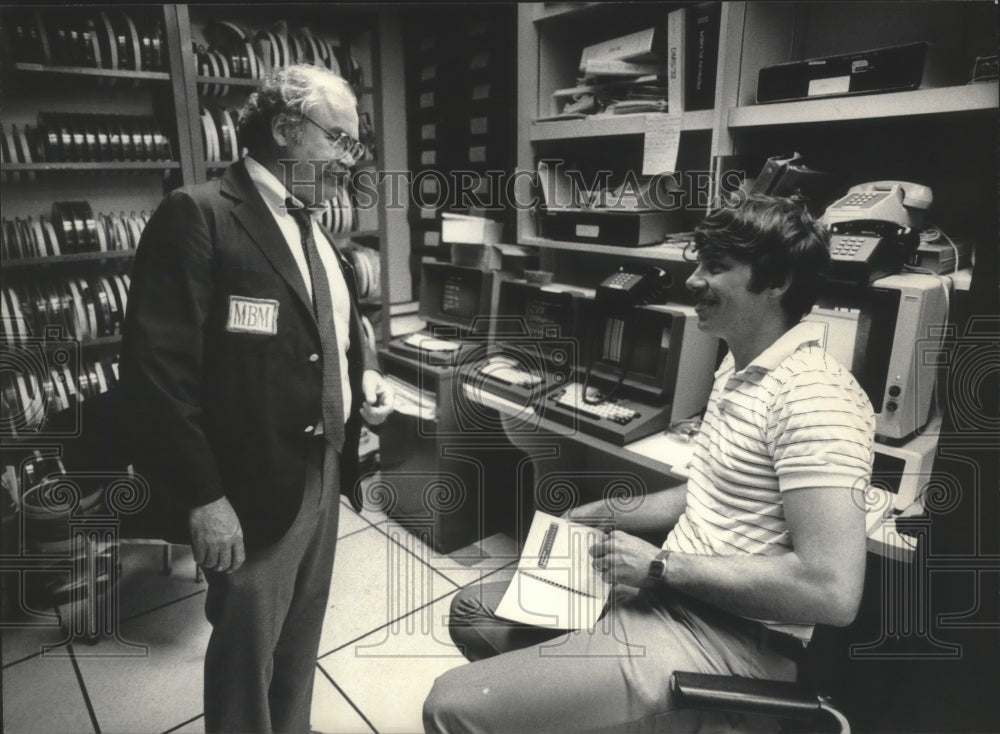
point(252, 315)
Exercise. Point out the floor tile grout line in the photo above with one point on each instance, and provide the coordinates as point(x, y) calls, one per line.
point(407, 550)
point(355, 532)
point(386, 624)
point(443, 555)
point(184, 723)
point(343, 693)
point(26, 658)
point(32, 656)
point(143, 613)
point(459, 587)
point(83, 689)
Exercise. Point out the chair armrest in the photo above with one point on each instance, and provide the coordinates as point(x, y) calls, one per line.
point(744, 695)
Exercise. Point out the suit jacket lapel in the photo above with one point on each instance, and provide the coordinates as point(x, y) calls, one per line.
point(251, 211)
point(346, 269)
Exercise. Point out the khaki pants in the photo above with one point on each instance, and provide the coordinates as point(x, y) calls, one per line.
point(614, 678)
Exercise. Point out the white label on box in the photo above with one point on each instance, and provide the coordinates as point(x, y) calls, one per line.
point(660, 143)
point(834, 85)
point(426, 100)
point(427, 213)
point(428, 131)
point(587, 230)
point(479, 61)
point(477, 154)
point(428, 158)
point(428, 72)
point(432, 239)
point(478, 125)
point(481, 91)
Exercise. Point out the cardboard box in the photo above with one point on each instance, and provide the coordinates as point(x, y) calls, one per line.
point(484, 257)
point(639, 46)
point(628, 229)
point(510, 258)
point(463, 228)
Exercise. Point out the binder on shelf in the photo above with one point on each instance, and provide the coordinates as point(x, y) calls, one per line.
point(701, 55)
point(675, 60)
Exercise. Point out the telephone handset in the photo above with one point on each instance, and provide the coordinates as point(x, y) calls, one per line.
point(893, 201)
point(614, 300)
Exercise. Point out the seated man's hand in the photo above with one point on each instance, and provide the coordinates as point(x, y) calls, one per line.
point(624, 559)
point(378, 398)
point(217, 537)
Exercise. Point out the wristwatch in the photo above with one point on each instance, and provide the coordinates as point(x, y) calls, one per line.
point(658, 566)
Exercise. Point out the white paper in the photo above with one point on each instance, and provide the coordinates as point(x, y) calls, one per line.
point(555, 584)
point(659, 148)
point(430, 344)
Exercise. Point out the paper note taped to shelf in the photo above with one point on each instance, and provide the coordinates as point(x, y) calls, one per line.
point(659, 148)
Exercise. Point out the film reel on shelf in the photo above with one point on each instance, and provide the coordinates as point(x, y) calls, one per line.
point(84, 308)
point(73, 228)
point(219, 135)
point(33, 394)
point(83, 37)
point(78, 137)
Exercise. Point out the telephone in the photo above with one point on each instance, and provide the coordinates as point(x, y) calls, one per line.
point(893, 201)
point(624, 289)
point(864, 250)
point(875, 229)
point(614, 301)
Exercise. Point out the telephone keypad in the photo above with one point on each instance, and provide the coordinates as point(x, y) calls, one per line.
point(862, 199)
point(620, 280)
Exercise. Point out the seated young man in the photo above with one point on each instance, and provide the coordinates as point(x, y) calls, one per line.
point(766, 539)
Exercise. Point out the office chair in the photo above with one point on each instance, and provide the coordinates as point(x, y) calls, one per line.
point(799, 701)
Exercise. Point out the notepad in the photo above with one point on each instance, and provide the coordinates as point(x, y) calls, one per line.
point(556, 585)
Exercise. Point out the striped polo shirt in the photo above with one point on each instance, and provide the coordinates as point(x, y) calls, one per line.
point(793, 418)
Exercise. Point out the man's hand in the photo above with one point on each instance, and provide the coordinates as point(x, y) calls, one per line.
point(624, 559)
point(378, 398)
point(217, 537)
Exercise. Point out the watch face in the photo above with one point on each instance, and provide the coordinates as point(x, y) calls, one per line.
point(658, 566)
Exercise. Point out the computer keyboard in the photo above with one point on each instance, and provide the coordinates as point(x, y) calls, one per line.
point(572, 397)
point(506, 372)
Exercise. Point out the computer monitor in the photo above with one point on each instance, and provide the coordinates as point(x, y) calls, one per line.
point(456, 296)
point(545, 315)
point(658, 353)
point(885, 334)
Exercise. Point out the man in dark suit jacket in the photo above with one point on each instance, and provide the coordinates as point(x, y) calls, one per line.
point(247, 368)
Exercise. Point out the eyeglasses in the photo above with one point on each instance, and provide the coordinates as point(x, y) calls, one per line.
point(343, 144)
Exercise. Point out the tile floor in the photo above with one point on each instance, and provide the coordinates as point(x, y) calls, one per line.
point(386, 624)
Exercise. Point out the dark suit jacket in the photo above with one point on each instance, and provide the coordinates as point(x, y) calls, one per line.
point(215, 411)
